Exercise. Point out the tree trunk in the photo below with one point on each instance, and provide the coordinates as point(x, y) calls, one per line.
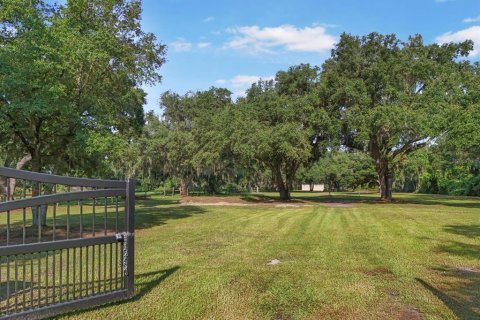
point(290, 176)
point(13, 181)
point(384, 172)
point(39, 213)
point(284, 194)
point(3, 188)
point(184, 184)
point(385, 181)
point(283, 188)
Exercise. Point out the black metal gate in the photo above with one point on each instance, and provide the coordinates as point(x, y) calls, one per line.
point(65, 243)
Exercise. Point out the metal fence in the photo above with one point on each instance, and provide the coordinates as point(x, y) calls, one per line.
point(65, 243)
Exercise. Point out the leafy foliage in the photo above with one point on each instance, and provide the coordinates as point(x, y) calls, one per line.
point(282, 125)
point(403, 113)
point(393, 97)
point(60, 66)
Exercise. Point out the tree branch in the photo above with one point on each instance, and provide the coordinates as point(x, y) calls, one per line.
point(20, 135)
point(410, 146)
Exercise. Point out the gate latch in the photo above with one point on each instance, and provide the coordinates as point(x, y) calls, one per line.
point(119, 237)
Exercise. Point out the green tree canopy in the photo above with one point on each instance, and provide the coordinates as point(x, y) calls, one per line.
point(197, 141)
point(71, 69)
point(282, 124)
point(340, 171)
point(393, 97)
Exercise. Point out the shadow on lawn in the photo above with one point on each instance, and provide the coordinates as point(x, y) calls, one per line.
point(421, 199)
point(459, 291)
point(459, 288)
point(461, 202)
point(460, 248)
point(154, 215)
point(144, 283)
point(261, 198)
point(470, 231)
point(352, 197)
point(149, 213)
point(149, 203)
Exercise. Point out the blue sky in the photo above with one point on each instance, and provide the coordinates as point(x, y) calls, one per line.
point(233, 43)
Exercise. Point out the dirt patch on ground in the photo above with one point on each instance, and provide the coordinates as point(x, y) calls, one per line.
point(337, 205)
point(213, 201)
point(293, 205)
point(469, 270)
point(242, 201)
point(409, 313)
point(220, 204)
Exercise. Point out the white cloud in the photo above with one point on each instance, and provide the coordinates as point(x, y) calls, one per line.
point(221, 81)
point(470, 20)
point(203, 45)
point(208, 19)
point(254, 39)
point(181, 45)
point(472, 33)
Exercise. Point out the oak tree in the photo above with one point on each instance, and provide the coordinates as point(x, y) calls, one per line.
point(392, 96)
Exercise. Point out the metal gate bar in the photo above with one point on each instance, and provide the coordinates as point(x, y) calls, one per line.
point(76, 250)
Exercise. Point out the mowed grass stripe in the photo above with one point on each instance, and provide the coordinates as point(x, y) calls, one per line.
point(367, 261)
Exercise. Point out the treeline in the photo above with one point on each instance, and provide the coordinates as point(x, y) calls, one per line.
point(380, 112)
point(441, 170)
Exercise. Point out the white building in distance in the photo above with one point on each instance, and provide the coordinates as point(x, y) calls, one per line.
point(316, 187)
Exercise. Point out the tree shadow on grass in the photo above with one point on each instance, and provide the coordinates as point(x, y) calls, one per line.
point(460, 249)
point(449, 201)
point(470, 231)
point(149, 203)
point(145, 217)
point(458, 290)
point(261, 198)
point(354, 198)
point(158, 215)
point(420, 199)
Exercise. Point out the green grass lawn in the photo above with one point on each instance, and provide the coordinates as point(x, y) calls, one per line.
point(416, 258)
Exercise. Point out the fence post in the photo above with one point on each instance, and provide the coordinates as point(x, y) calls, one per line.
point(130, 229)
